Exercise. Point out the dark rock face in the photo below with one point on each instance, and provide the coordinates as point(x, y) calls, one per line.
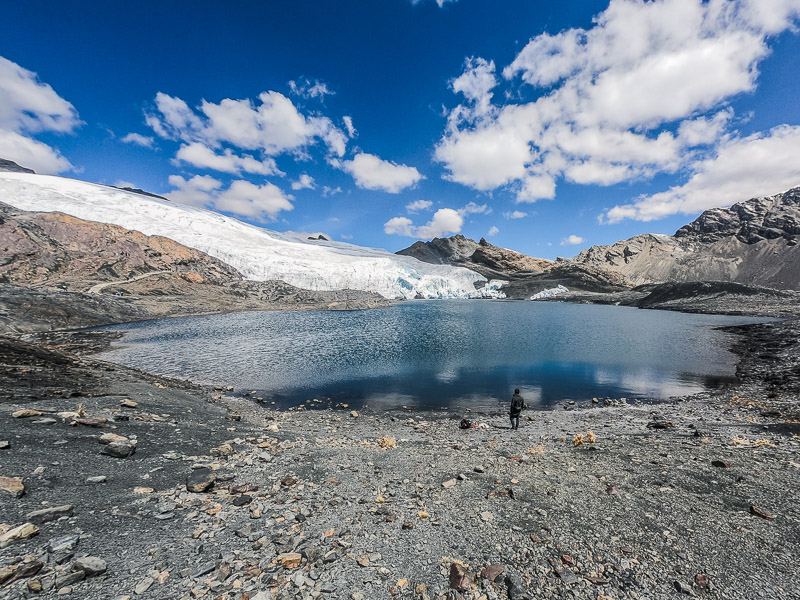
point(141, 192)
point(749, 222)
point(753, 243)
point(442, 251)
point(10, 166)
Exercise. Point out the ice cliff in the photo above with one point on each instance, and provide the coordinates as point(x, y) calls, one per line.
point(259, 254)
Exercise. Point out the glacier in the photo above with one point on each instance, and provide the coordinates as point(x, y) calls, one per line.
point(258, 254)
point(550, 293)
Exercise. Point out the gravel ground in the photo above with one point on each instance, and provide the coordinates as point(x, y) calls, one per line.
point(695, 496)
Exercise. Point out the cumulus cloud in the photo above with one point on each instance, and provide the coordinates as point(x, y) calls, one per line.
point(138, 139)
point(373, 173)
point(273, 125)
point(493, 231)
point(305, 88)
point(572, 240)
point(742, 168)
point(445, 221)
point(304, 182)
point(201, 156)
point(641, 92)
point(348, 125)
point(517, 214)
point(241, 198)
point(473, 208)
point(418, 205)
point(29, 106)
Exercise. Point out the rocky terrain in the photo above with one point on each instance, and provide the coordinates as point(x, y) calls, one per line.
point(116, 484)
point(11, 167)
point(526, 275)
point(57, 271)
point(752, 242)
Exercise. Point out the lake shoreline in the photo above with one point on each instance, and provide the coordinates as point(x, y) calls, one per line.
point(667, 498)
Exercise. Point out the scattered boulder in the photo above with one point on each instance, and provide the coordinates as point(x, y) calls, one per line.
point(18, 533)
point(128, 403)
point(46, 515)
point(492, 572)
point(459, 578)
point(5, 445)
point(25, 413)
point(290, 560)
point(13, 486)
point(119, 449)
point(200, 480)
point(96, 479)
point(91, 565)
point(109, 438)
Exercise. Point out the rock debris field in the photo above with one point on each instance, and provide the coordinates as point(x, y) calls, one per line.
point(117, 484)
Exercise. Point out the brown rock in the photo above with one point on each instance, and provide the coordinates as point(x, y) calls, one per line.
point(754, 510)
point(25, 413)
point(290, 560)
point(13, 486)
point(200, 480)
point(492, 572)
point(128, 403)
point(459, 578)
point(20, 532)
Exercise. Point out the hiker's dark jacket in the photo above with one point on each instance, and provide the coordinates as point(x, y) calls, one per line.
point(517, 404)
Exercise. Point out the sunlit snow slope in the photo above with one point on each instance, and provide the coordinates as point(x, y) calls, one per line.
point(259, 254)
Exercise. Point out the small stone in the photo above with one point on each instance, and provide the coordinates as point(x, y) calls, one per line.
point(459, 579)
point(290, 560)
point(128, 403)
point(13, 486)
point(46, 515)
point(203, 570)
point(119, 449)
point(5, 445)
point(69, 579)
point(143, 585)
point(567, 559)
point(479, 469)
point(143, 490)
point(63, 544)
point(242, 500)
point(20, 532)
point(91, 565)
point(449, 483)
point(486, 516)
point(759, 512)
point(702, 581)
point(516, 588)
point(25, 413)
point(262, 595)
point(408, 525)
point(108, 438)
point(720, 464)
point(363, 560)
point(96, 479)
point(492, 572)
point(683, 588)
point(200, 480)
point(44, 421)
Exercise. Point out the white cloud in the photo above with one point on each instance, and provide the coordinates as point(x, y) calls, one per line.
point(445, 221)
point(197, 191)
point(29, 106)
point(203, 157)
point(440, 3)
point(31, 153)
point(241, 198)
point(474, 209)
point(138, 139)
point(372, 173)
point(273, 126)
point(304, 182)
point(262, 202)
point(348, 125)
point(641, 92)
point(418, 205)
point(493, 231)
point(305, 88)
point(572, 240)
point(329, 191)
point(742, 168)
point(517, 214)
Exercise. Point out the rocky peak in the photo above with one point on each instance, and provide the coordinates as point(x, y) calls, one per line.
point(12, 167)
point(750, 222)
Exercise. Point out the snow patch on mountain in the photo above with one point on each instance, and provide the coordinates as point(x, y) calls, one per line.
point(550, 293)
point(259, 254)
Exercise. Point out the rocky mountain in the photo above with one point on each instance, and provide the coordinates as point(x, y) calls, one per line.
point(57, 271)
point(487, 259)
point(9, 166)
point(525, 275)
point(752, 242)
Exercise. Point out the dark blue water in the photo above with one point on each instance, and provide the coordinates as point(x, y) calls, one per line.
point(432, 354)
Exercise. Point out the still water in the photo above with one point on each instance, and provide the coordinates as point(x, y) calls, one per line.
point(432, 354)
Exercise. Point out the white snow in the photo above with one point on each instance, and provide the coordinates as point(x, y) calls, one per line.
point(259, 254)
point(550, 293)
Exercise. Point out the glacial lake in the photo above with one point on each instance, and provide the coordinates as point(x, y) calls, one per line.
point(440, 353)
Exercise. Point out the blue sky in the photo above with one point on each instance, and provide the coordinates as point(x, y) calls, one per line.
point(545, 127)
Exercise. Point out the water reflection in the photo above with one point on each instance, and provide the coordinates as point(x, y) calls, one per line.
point(441, 353)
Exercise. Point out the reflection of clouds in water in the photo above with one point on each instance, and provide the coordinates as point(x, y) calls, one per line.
point(448, 376)
point(646, 382)
point(389, 400)
point(531, 393)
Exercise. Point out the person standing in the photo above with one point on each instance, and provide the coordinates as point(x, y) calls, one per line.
point(517, 404)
